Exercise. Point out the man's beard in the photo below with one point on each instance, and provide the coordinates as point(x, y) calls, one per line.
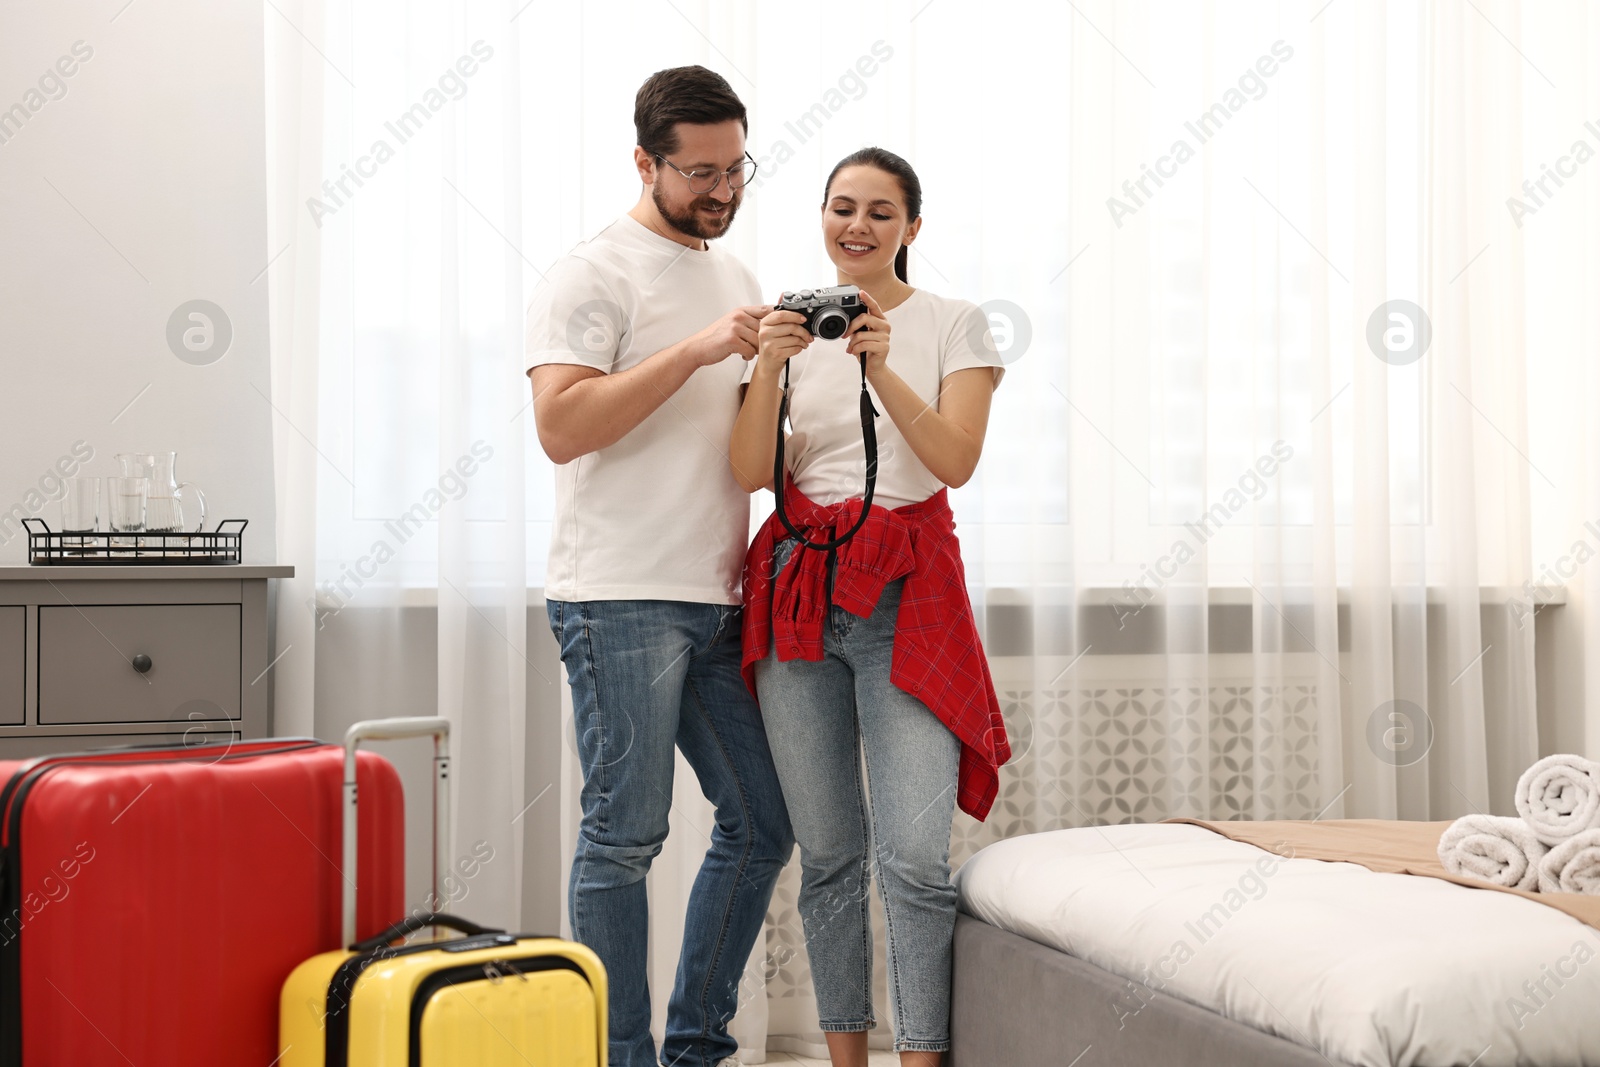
point(691, 223)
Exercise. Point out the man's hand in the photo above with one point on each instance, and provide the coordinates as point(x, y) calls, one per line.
point(735, 332)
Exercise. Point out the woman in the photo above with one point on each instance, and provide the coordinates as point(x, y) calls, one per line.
point(869, 645)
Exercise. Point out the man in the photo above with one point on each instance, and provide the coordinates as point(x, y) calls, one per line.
point(635, 395)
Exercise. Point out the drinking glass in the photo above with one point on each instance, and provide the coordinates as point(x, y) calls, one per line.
point(80, 508)
point(129, 499)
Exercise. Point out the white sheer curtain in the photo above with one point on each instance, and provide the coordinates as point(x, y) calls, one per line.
point(397, 313)
point(1240, 545)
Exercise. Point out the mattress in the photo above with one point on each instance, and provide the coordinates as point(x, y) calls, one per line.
point(1366, 968)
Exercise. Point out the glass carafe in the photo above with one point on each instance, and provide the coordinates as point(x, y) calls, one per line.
point(164, 513)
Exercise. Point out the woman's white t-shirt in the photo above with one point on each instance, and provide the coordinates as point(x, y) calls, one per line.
point(930, 337)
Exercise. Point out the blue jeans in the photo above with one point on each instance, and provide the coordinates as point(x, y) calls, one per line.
point(647, 675)
point(820, 716)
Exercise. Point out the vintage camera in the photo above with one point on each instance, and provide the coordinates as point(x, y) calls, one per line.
point(828, 312)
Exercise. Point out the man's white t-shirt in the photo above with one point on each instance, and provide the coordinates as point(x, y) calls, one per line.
point(657, 515)
point(930, 337)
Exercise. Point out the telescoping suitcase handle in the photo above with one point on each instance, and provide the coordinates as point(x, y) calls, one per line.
point(392, 730)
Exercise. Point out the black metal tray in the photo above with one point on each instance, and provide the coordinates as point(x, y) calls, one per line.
point(47, 547)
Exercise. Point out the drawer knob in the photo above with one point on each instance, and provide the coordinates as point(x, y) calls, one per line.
point(141, 663)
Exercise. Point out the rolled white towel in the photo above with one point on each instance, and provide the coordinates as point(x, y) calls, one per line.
point(1572, 866)
point(1560, 797)
point(1495, 848)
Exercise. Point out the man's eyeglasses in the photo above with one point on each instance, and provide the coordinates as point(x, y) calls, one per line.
point(705, 179)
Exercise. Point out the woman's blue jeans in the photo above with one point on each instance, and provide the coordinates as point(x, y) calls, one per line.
point(820, 717)
point(648, 675)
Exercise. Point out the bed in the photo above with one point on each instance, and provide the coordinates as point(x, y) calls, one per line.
point(1226, 945)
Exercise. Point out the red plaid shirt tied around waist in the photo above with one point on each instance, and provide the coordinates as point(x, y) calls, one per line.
point(938, 657)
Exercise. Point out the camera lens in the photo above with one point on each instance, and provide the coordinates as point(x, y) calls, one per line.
point(831, 323)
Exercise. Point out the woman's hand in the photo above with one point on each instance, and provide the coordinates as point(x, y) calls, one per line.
point(869, 336)
point(781, 335)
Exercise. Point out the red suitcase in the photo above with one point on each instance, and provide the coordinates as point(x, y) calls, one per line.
point(153, 900)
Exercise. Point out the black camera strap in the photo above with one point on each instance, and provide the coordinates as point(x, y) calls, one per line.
point(869, 438)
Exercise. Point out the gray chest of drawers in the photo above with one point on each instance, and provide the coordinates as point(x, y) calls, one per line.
point(97, 656)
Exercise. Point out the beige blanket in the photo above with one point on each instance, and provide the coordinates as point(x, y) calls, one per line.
point(1383, 845)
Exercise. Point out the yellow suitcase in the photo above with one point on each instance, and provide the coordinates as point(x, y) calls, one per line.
point(488, 999)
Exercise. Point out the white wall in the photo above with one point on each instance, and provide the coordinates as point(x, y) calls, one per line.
point(128, 188)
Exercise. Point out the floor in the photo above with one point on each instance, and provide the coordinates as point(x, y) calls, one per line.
point(790, 1059)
